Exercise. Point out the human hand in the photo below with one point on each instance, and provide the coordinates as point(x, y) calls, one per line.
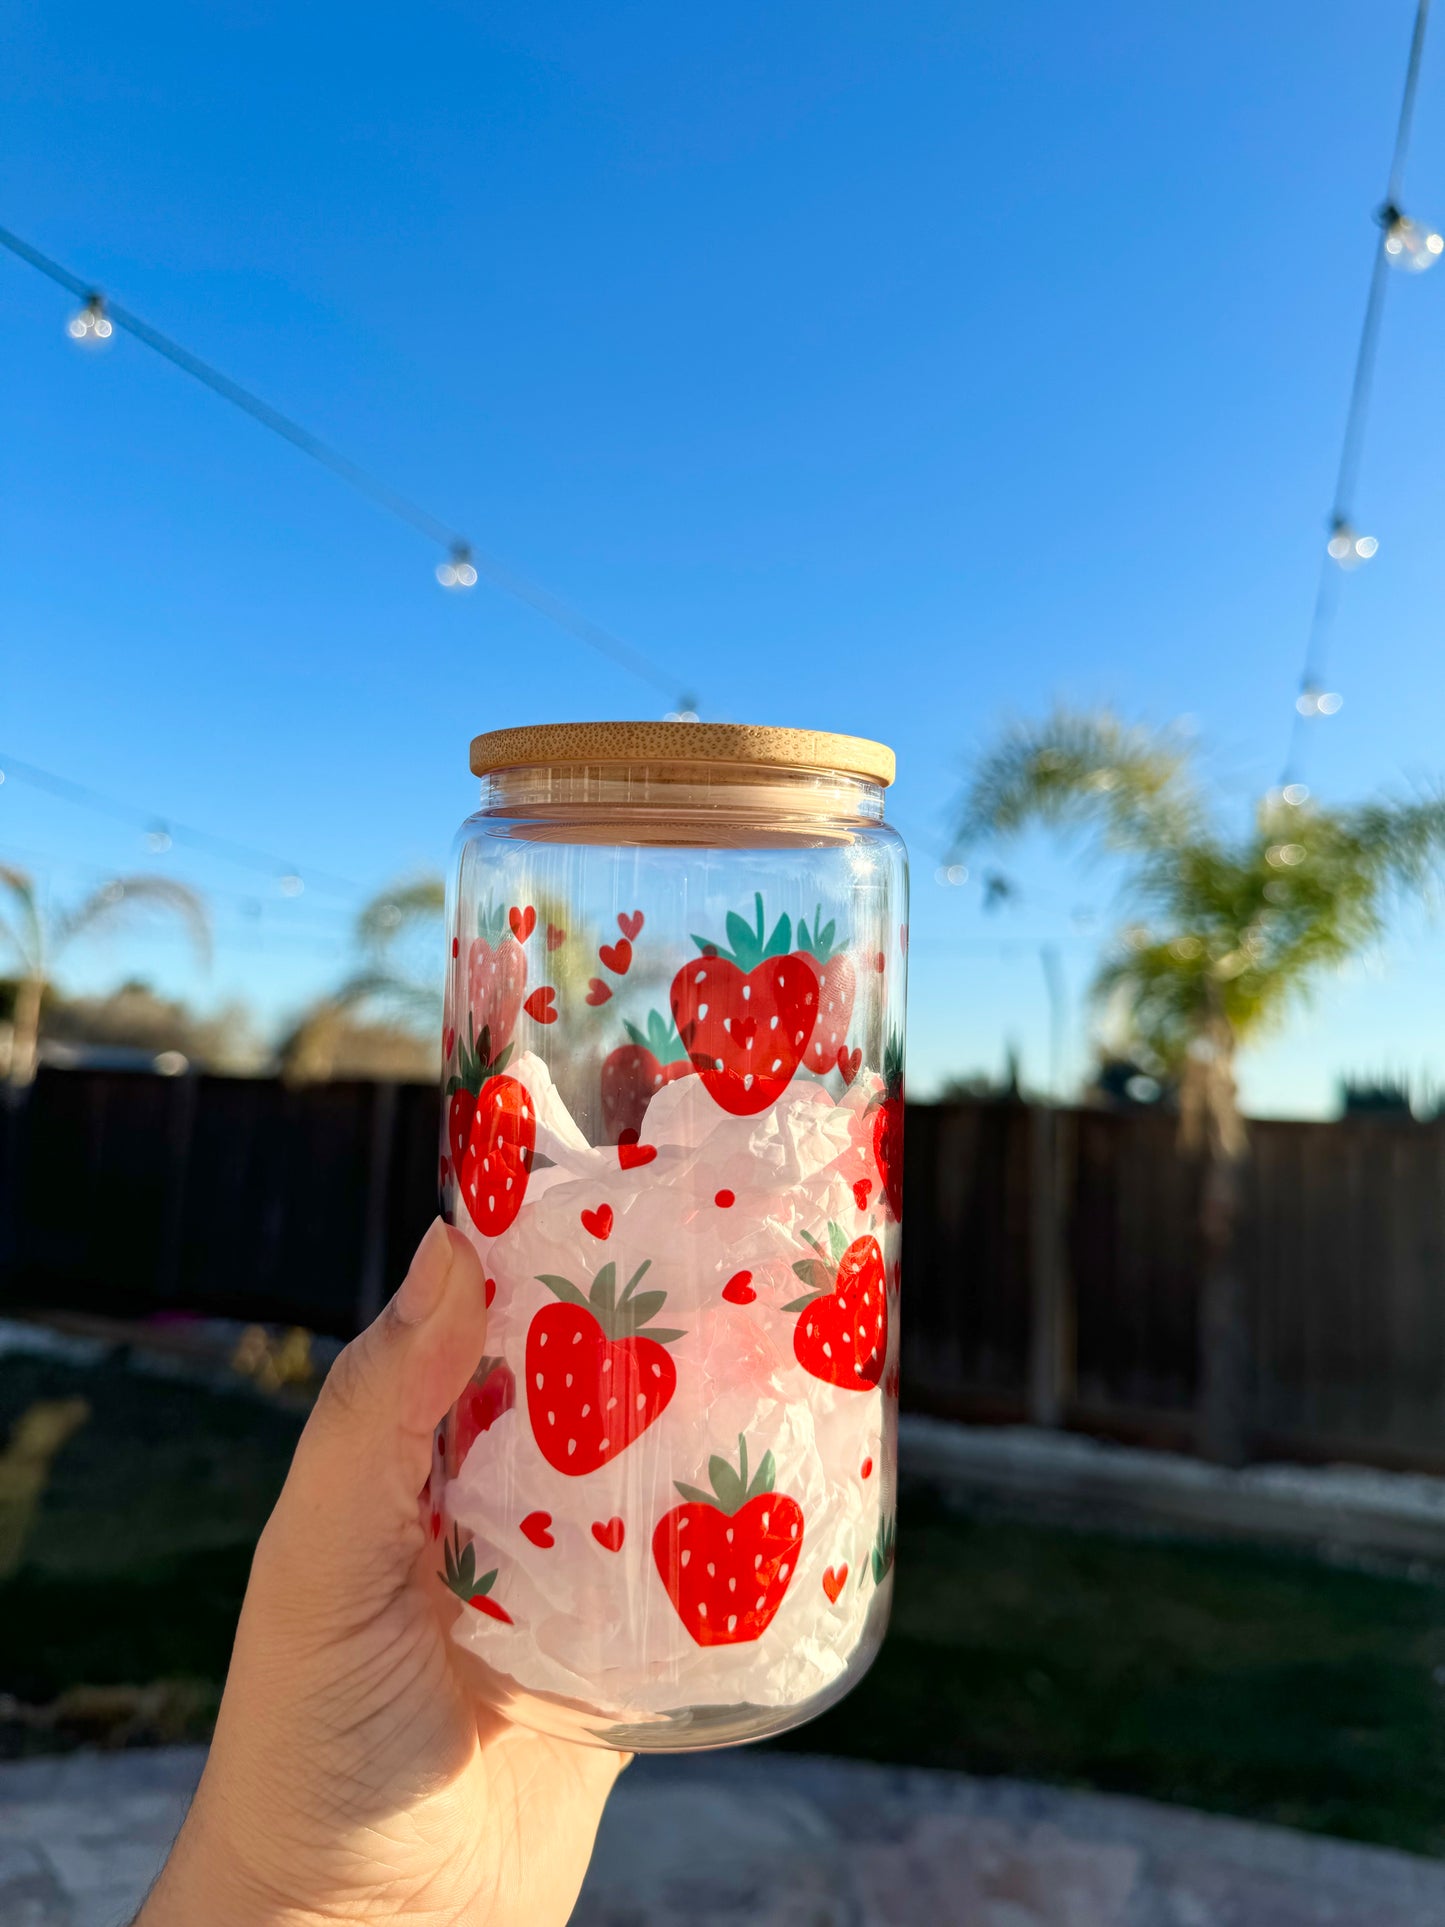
point(353, 1779)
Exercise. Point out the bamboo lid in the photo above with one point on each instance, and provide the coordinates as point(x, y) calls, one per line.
point(572, 743)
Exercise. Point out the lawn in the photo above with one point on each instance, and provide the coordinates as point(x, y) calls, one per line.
point(1265, 1684)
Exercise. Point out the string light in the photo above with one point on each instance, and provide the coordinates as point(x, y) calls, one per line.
point(92, 323)
point(458, 572)
point(1316, 702)
point(290, 884)
point(686, 711)
point(1409, 246)
point(98, 319)
point(1295, 794)
point(1347, 548)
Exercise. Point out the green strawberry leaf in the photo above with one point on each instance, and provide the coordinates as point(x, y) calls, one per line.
point(603, 1295)
point(659, 1336)
point(802, 1304)
point(808, 1239)
point(815, 1275)
point(838, 1241)
point(726, 1483)
point(781, 941)
point(564, 1289)
point(765, 1478)
point(636, 1279)
point(486, 1582)
point(637, 1037)
point(695, 1497)
point(503, 1058)
point(741, 937)
point(647, 1304)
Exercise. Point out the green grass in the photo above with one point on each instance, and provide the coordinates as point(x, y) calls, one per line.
point(1228, 1677)
point(1250, 1682)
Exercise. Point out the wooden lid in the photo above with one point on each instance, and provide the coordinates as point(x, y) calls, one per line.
point(564, 743)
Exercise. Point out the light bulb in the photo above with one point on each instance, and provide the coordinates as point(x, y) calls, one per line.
point(290, 885)
point(1347, 547)
point(1318, 702)
point(92, 323)
point(1295, 793)
point(458, 571)
point(1410, 246)
point(681, 716)
point(158, 839)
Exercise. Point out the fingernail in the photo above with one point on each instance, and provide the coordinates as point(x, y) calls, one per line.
point(425, 1284)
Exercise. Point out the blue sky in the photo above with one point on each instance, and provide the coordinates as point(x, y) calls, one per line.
point(892, 370)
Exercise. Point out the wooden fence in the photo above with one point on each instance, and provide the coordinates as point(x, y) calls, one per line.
point(1050, 1271)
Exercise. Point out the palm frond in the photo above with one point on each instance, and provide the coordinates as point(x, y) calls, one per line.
point(126, 898)
point(414, 1003)
point(22, 930)
point(403, 907)
point(1078, 769)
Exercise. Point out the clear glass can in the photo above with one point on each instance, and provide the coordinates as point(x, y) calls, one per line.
point(673, 1129)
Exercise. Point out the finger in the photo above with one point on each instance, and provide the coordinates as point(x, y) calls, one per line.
point(350, 1497)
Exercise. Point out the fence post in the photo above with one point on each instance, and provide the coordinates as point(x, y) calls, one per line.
point(1051, 1322)
point(371, 1287)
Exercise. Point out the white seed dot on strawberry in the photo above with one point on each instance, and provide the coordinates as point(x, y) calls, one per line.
point(702, 1010)
point(585, 1410)
point(686, 1555)
point(702, 1611)
point(732, 1621)
point(610, 1403)
point(571, 1447)
point(729, 1535)
point(794, 1533)
point(474, 1190)
point(642, 1401)
point(783, 1572)
point(761, 1602)
point(538, 1381)
point(576, 1338)
point(657, 1371)
point(683, 1523)
point(568, 1379)
point(732, 1585)
point(772, 1023)
point(607, 1364)
point(757, 1556)
point(604, 1445)
point(711, 1570)
point(541, 1339)
point(827, 1349)
point(551, 1418)
point(767, 1520)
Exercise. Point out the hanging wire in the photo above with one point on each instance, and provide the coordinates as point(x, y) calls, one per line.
point(245, 855)
point(380, 493)
point(1312, 677)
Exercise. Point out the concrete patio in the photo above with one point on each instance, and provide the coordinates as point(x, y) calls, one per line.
point(785, 1841)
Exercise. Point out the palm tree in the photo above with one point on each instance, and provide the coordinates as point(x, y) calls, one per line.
point(1233, 928)
point(36, 936)
point(399, 936)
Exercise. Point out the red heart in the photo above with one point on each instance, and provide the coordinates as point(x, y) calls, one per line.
point(523, 922)
point(598, 1222)
point(448, 1044)
point(541, 1005)
point(882, 963)
point(630, 926)
point(860, 1192)
point(489, 1289)
point(537, 1526)
point(456, 946)
point(849, 1063)
point(555, 937)
point(834, 1580)
point(597, 991)
point(867, 1468)
point(630, 1153)
point(617, 956)
point(610, 1535)
point(739, 1288)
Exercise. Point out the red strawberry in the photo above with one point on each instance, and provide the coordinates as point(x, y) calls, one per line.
point(496, 980)
point(746, 1016)
point(597, 1375)
point(888, 1126)
point(490, 1391)
point(492, 1128)
point(726, 1556)
point(837, 982)
point(634, 1071)
point(461, 1578)
point(842, 1331)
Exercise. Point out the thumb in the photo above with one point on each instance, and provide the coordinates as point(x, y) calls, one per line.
point(350, 1499)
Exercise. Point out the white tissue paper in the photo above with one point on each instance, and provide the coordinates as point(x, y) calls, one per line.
point(611, 1587)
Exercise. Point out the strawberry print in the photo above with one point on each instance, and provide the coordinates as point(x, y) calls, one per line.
point(837, 982)
point(842, 1331)
point(496, 979)
point(635, 1071)
point(491, 1391)
point(492, 1130)
point(598, 1373)
point(888, 1126)
point(726, 1556)
point(746, 1016)
point(461, 1578)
